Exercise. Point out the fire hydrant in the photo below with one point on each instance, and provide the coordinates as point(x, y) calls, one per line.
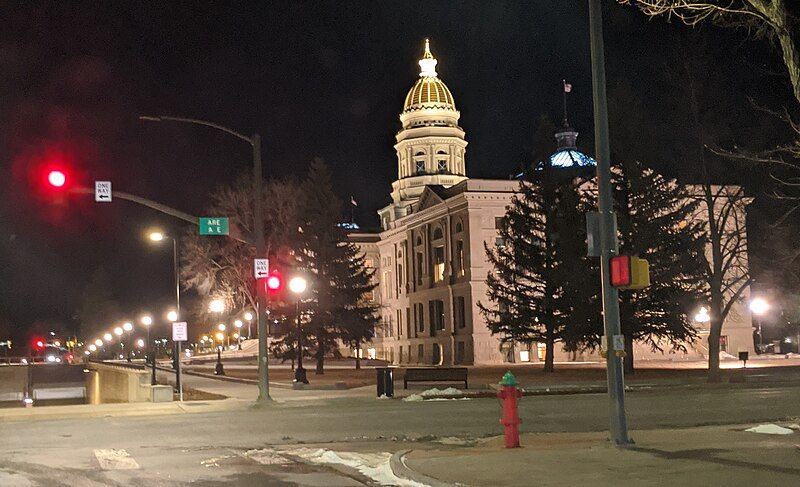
point(509, 395)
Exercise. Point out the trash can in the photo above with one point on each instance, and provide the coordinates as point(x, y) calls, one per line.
point(385, 379)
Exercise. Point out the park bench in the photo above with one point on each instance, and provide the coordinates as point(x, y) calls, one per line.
point(436, 374)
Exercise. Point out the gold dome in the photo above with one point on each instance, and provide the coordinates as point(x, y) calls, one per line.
point(429, 91)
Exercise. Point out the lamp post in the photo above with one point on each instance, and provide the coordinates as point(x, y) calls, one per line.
point(119, 331)
point(128, 327)
point(260, 244)
point(172, 316)
point(248, 317)
point(219, 369)
point(298, 285)
point(238, 324)
point(759, 307)
point(147, 321)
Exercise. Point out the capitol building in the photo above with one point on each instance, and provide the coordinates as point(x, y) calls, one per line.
point(429, 256)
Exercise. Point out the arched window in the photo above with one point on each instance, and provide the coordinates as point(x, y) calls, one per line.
point(419, 240)
point(442, 152)
point(437, 233)
point(459, 227)
point(420, 153)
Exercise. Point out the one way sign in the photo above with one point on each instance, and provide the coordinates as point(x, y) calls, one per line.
point(261, 268)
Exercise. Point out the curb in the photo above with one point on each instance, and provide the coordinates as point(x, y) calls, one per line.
point(399, 468)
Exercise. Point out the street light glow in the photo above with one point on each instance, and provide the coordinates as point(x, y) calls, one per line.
point(759, 306)
point(702, 316)
point(156, 236)
point(220, 336)
point(127, 326)
point(118, 331)
point(140, 343)
point(221, 327)
point(238, 323)
point(92, 348)
point(107, 337)
point(216, 306)
point(248, 316)
point(146, 320)
point(98, 342)
point(297, 285)
point(172, 316)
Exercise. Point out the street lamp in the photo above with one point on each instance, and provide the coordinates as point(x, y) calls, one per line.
point(258, 231)
point(158, 236)
point(218, 369)
point(238, 324)
point(107, 337)
point(98, 342)
point(216, 306)
point(172, 316)
point(147, 321)
point(297, 285)
point(759, 307)
point(128, 327)
point(249, 317)
point(702, 316)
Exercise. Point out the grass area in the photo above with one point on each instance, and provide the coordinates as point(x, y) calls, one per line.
point(190, 394)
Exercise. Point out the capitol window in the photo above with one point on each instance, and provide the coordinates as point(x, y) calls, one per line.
point(442, 166)
point(420, 167)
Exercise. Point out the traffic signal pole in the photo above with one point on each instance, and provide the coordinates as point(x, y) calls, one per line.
point(608, 237)
point(261, 253)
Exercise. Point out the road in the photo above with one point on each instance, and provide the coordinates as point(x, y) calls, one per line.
point(210, 448)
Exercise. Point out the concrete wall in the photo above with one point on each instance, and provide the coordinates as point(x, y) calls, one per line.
point(112, 383)
point(13, 381)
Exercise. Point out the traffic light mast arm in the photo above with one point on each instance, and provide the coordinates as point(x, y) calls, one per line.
point(155, 206)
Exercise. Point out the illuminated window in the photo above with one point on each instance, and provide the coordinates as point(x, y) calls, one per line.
point(438, 264)
point(460, 258)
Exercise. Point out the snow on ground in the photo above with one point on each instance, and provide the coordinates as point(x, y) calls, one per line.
point(450, 391)
point(437, 395)
point(373, 465)
point(770, 429)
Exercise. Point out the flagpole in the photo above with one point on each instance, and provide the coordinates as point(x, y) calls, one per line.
point(564, 82)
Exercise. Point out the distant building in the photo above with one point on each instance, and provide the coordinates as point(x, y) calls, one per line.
point(429, 256)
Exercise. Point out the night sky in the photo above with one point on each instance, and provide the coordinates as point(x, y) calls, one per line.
point(315, 79)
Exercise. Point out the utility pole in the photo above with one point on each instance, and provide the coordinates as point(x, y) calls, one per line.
point(260, 244)
point(608, 236)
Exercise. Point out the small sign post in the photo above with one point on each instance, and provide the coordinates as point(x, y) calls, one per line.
point(214, 226)
point(180, 333)
point(102, 191)
point(260, 268)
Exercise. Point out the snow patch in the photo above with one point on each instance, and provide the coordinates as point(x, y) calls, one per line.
point(373, 465)
point(413, 398)
point(770, 429)
point(267, 456)
point(450, 391)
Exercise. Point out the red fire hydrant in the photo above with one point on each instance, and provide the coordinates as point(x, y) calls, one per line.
point(509, 396)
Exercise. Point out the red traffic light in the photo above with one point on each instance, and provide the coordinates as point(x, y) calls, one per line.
point(274, 281)
point(620, 270)
point(38, 344)
point(57, 178)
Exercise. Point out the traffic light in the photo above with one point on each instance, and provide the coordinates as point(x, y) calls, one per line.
point(274, 282)
point(629, 272)
point(57, 178)
point(38, 344)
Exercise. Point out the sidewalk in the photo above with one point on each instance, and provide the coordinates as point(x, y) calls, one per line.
point(705, 456)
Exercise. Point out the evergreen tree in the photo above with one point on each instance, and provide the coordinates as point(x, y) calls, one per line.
point(339, 281)
point(537, 261)
point(656, 222)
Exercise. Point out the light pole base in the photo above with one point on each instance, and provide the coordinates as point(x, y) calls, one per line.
point(300, 375)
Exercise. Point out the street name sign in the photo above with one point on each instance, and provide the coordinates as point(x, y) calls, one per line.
point(180, 332)
point(214, 226)
point(261, 268)
point(102, 191)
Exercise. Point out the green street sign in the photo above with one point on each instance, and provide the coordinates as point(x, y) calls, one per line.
point(213, 226)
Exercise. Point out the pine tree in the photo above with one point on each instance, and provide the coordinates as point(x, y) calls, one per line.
point(537, 261)
point(339, 281)
point(656, 222)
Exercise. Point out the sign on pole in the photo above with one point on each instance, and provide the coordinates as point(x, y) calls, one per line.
point(102, 191)
point(180, 332)
point(214, 226)
point(261, 268)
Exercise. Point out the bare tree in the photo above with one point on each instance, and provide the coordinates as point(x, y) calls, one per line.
point(222, 267)
point(764, 18)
